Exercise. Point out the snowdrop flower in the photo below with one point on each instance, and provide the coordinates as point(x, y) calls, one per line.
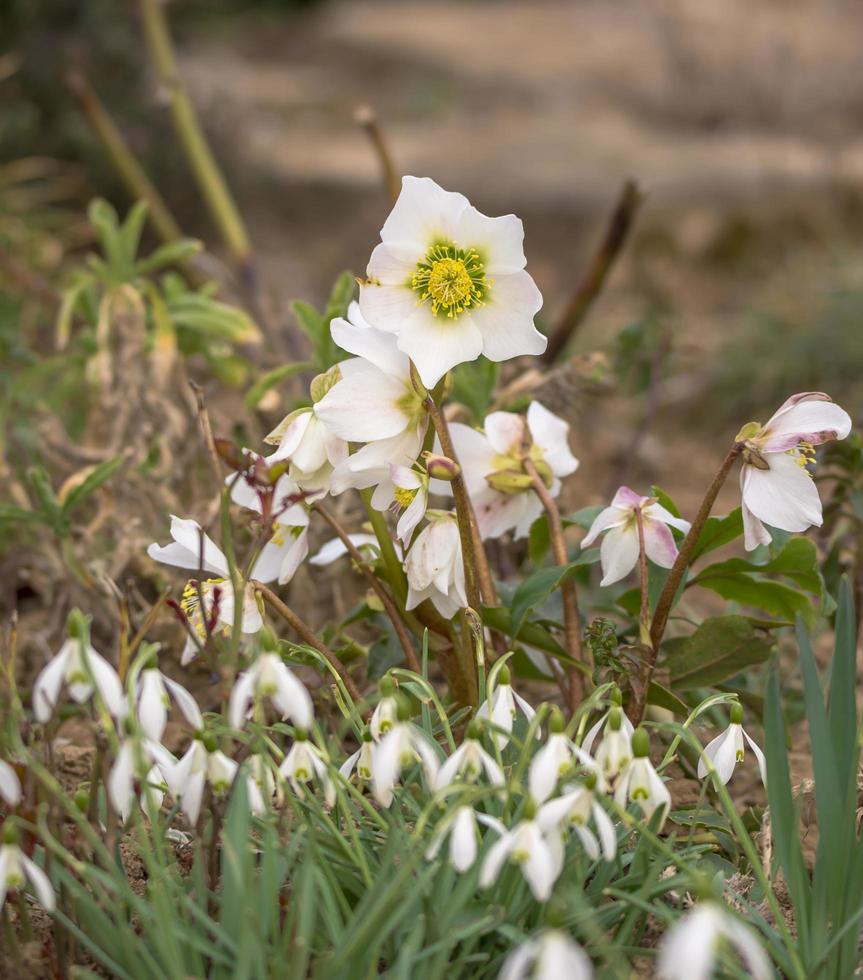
point(16, 869)
point(361, 760)
point(288, 545)
point(386, 710)
point(153, 702)
point(450, 282)
point(726, 750)
point(313, 450)
point(640, 783)
point(270, 678)
point(468, 762)
point(202, 763)
point(619, 552)
point(552, 955)
point(493, 464)
point(374, 401)
point(504, 703)
point(461, 829)
point(552, 761)
point(193, 549)
point(434, 566)
point(138, 772)
point(81, 669)
point(404, 745)
point(775, 483)
point(10, 784)
point(534, 844)
point(690, 948)
point(625, 723)
point(261, 783)
point(575, 807)
point(614, 755)
point(303, 763)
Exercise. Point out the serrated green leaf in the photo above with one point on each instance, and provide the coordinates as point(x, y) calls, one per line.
point(720, 648)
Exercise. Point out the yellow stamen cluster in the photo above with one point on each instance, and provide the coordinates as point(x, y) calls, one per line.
point(803, 453)
point(404, 496)
point(450, 279)
point(191, 603)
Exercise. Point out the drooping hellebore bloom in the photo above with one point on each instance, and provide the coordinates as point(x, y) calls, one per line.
point(434, 566)
point(193, 549)
point(551, 955)
point(375, 402)
point(461, 829)
point(640, 783)
point(270, 678)
point(727, 749)
point(450, 282)
point(619, 551)
point(775, 483)
point(84, 671)
point(689, 950)
point(16, 869)
point(493, 465)
point(504, 704)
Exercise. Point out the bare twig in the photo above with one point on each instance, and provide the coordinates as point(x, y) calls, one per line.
point(571, 618)
point(597, 272)
point(207, 431)
point(388, 604)
point(307, 635)
point(365, 116)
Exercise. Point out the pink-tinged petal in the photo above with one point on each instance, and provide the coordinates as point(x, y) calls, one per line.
point(497, 513)
point(551, 434)
point(505, 320)
point(357, 337)
point(618, 554)
point(785, 496)
point(504, 431)
point(423, 213)
point(657, 512)
point(605, 520)
point(364, 406)
point(754, 532)
point(659, 544)
point(499, 241)
point(811, 416)
point(625, 498)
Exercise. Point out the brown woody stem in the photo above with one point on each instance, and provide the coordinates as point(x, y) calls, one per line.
point(366, 117)
point(373, 581)
point(571, 617)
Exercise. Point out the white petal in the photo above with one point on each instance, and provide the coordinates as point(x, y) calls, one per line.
point(659, 543)
point(191, 545)
point(41, 884)
point(606, 831)
point(494, 860)
point(10, 785)
point(437, 343)
point(551, 434)
point(364, 406)
point(241, 695)
point(517, 965)
point(785, 496)
point(185, 702)
point(500, 241)
point(335, 548)
point(538, 870)
point(121, 780)
point(462, 840)
point(108, 683)
point(346, 768)
point(811, 417)
point(292, 698)
point(749, 946)
point(759, 755)
point(358, 337)
point(618, 554)
point(46, 687)
point(688, 949)
point(754, 532)
point(386, 765)
point(505, 431)
point(588, 841)
point(561, 959)
point(604, 521)
point(152, 711)
point(656, 512)
point(505, 321)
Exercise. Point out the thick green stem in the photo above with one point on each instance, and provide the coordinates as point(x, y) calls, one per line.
point(395, 572)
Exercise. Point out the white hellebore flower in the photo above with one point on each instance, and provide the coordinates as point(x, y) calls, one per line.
point(288, 545)
point(153, 702)
point(16, 869)
point(619, 552)
point(312, 448)
point(404, 745)
point(10, 784)
point(641, 783)
point(193, 549)
point(775, 483)
point(335, 548)
point(461, 829)
point(435, 568)
point(493, 464)
point(450, 282)
point(727, 749)
point(614, 754)
point(468, 762)
point(410, 495)
point(202, 763)
point(303, 763)
point(504, 703)
point(690, 948)
point(374, 401)
point(138, 771)
point(269, 677)
point(361, 760)
point(575, 807)
point(534, 844)
point(81, 669)
point(552, 955)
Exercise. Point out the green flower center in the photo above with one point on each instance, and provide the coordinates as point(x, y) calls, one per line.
point(450, 279)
